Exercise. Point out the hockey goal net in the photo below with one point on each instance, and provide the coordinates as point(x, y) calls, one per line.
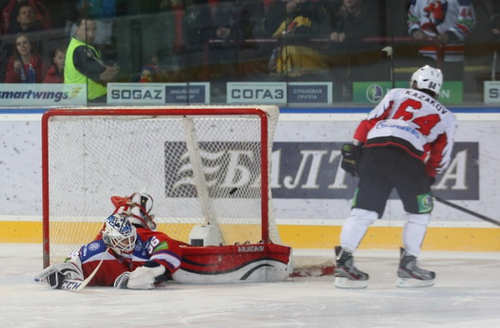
point(202, 166)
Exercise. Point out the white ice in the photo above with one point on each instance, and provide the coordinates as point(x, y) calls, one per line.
point(466, 294)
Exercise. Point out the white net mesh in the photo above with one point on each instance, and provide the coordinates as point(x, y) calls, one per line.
point(196, 168)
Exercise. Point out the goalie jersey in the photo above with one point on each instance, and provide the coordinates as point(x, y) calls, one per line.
point(150, 246)
point(413, 121)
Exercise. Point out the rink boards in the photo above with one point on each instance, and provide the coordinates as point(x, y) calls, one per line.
point(311, 194)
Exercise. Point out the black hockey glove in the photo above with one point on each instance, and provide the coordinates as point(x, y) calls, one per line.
point(350, 158)
point(122, 280)
point(56, 279)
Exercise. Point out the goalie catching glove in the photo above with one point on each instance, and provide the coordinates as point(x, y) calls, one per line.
point(350, 158)
point(55, 274)
point(143, 277)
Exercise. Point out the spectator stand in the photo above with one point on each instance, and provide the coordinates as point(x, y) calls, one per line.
point(394, 56)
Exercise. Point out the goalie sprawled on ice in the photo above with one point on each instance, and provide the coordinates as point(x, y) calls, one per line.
point(129, 253)
point(133, 254)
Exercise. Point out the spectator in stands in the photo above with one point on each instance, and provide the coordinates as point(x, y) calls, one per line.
point(10, 15)
point(163, 24)
point(25, 65)
point(495, 19)
point(63, 14)
point(28, 17)
point(173, 35)
point(97, 8)
point(55, 74)
point(357, 21)
point(84, 64)
point(295, 22)
point(448, 23)
point(103, 11)
point(196, 28)
point(26, 20)
point(233, 23)
point(227, 33)
point(149, 74)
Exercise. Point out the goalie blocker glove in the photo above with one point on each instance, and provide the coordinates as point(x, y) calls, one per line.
point(351, 154)
point(143, 277)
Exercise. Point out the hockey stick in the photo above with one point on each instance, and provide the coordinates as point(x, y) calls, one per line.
point(78, 285)
point(463, 209)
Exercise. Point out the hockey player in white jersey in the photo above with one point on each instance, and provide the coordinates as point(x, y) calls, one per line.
point(402, 144)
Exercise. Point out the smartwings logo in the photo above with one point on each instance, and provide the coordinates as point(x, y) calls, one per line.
point(229, 169)
point(35, 95)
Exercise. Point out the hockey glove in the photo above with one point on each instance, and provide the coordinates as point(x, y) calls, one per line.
point(122, 280)
point(55, 280)
point(350, 158)
point(144, 277)
point(57, 273)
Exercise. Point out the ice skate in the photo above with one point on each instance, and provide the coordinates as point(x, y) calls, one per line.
point(410, 275)
point(346, 274)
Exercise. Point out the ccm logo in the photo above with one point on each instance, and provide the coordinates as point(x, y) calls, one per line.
point(136, 94)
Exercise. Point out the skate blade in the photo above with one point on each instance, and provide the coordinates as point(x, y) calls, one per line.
point(413, 283)
point(345, 283)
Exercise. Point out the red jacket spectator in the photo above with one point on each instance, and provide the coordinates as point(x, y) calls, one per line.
point(31, 71)
point(9, 14)
point(53, 75)
point(24, 66)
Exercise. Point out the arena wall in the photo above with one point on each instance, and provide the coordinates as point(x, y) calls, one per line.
point(311, 194)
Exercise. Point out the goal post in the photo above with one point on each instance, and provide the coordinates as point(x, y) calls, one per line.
point(204, 166)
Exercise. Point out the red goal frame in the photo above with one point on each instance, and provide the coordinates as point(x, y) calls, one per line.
point(181, 111)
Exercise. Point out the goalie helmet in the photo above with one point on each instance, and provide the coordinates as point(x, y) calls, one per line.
point(119, 234)
point(427, 78)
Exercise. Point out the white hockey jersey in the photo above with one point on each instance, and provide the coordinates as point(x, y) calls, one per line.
point(435, 17)
point(412, 120)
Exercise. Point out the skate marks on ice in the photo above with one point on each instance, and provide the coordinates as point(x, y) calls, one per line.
point(467, 292)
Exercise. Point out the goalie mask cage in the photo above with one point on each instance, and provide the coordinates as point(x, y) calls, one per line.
point(203, 166)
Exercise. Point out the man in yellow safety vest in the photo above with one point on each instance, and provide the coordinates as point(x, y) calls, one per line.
point(84, 64)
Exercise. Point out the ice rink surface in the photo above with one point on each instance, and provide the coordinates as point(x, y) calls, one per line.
point(466, 294)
